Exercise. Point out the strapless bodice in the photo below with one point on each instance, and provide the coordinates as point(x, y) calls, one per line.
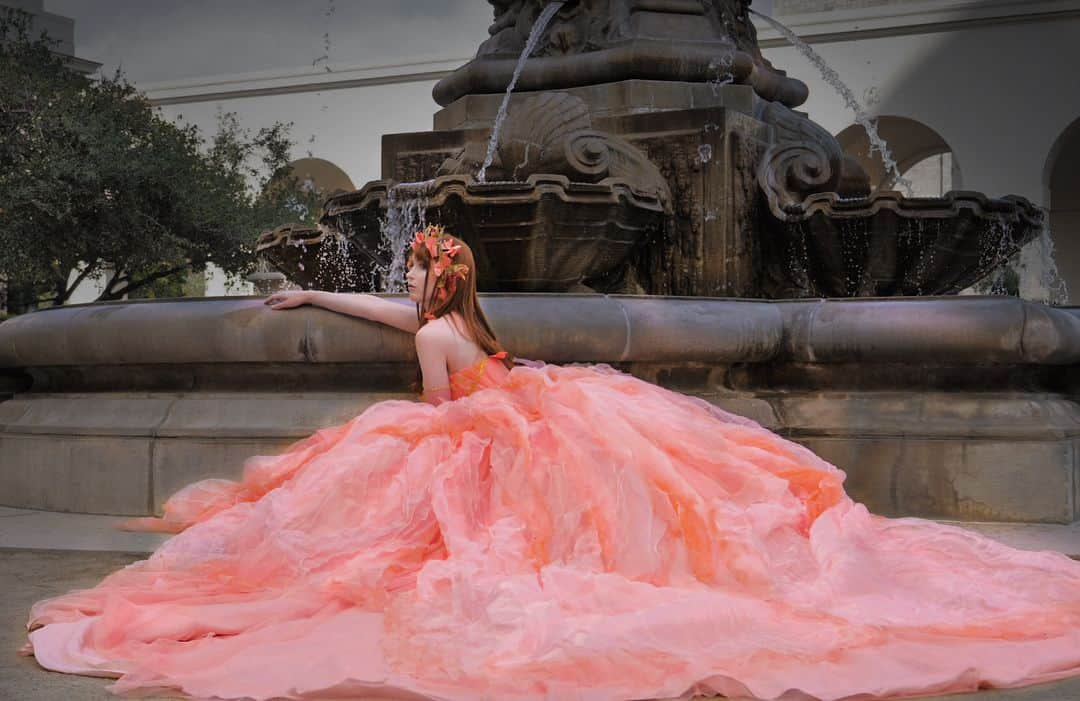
point(486, 372)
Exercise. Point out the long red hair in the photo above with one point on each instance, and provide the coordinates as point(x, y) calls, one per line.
point(460, 296)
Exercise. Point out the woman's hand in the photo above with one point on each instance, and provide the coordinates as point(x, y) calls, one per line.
point(287, 299)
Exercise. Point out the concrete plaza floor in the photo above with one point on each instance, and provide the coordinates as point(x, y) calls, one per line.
point(44, 554)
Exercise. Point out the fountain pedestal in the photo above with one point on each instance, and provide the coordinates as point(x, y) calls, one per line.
point(606, 100)
point(706, 156)
point(593, 43)
point(673, 100)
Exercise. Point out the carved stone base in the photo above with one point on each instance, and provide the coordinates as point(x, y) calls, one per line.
point(708, 156)
point(602, 42)
point(606, 100)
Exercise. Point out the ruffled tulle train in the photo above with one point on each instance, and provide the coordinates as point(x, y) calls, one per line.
point(566, 533)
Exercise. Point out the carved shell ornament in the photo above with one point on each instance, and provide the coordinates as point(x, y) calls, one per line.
point(804, 159)
point(534, 134)
point(552, 134)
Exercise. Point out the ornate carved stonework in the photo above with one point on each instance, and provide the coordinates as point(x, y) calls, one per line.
point(650, 148)
point(804, 159)
point(542, 234)
point(825, 234)
point(553, 134)
point(602, 41)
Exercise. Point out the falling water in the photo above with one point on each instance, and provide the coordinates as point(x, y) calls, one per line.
point(335, 262)
point(530, 45)
point(832, 78)
point(406, 205)
point(721, 69)
point(1039, 277)
point(1030, 273)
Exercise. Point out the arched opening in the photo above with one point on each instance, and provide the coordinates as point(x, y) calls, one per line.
point(317, 174)
point(305, 184)
point(922, 156)
point(1063, 195)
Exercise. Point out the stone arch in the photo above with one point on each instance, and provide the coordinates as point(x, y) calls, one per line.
point(921, 154)
point(322, 175)
point(1061, 177)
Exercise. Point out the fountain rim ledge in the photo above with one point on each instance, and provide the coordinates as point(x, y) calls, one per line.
point(437, 190)
point(560, 327)
point(948, 205)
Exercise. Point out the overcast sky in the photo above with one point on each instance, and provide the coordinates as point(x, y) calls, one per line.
point(165, 40)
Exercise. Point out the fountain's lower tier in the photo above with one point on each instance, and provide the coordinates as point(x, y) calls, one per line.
point(740, 199)
point(549, 234)
point(887, 244)
point(957, 407)
point(299, 249)
point(546, 234)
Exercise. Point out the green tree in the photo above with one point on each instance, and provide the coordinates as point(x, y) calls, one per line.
point(93, 178)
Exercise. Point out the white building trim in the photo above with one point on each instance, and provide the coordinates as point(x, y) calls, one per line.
point(893, 19)
point(902, 18)
point(299, 80)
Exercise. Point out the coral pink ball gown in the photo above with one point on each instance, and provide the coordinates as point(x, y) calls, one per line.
point(558, 532)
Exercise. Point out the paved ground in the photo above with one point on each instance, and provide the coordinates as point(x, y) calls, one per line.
point(25, 577)
point(49, 554)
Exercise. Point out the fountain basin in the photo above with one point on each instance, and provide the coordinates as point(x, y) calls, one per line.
point(888, 244)
point(545, 234)
point(294, 247)
point(957, 407)
point(317, 258)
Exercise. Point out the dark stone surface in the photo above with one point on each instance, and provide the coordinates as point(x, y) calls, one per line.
point(183, 335)
point(758, 200)
point(763, 202)
point(707, 159)
point(887, 244)
point(604, 41)
point(546, 234)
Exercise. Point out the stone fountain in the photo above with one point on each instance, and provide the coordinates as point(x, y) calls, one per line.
point(654, 201)
point(650, 148)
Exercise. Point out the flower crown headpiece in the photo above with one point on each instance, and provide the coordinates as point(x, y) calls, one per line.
point(442, 250)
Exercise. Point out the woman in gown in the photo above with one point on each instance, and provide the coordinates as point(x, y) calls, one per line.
point(552, 532)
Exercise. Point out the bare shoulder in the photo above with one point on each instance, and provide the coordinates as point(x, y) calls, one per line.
point(435, 333)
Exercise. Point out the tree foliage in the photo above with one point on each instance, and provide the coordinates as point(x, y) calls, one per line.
point(94, 179)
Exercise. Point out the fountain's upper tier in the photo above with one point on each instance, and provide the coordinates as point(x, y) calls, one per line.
point(590, 42)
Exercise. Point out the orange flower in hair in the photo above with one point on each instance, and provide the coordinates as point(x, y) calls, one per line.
point(442, 250)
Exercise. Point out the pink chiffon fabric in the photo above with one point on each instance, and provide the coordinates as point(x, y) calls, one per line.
point(558, 532)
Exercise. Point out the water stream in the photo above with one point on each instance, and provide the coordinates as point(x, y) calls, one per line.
point(530, 45)
point(832, 78)
point(406, 207)
point(407, 202)
point(1039, 278)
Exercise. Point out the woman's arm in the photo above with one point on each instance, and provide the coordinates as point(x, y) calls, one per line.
point(365, 306)
point(432, 343)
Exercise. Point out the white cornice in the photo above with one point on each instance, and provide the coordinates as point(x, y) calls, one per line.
point(233, 86)
point(925, 16)
point(894, 19)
